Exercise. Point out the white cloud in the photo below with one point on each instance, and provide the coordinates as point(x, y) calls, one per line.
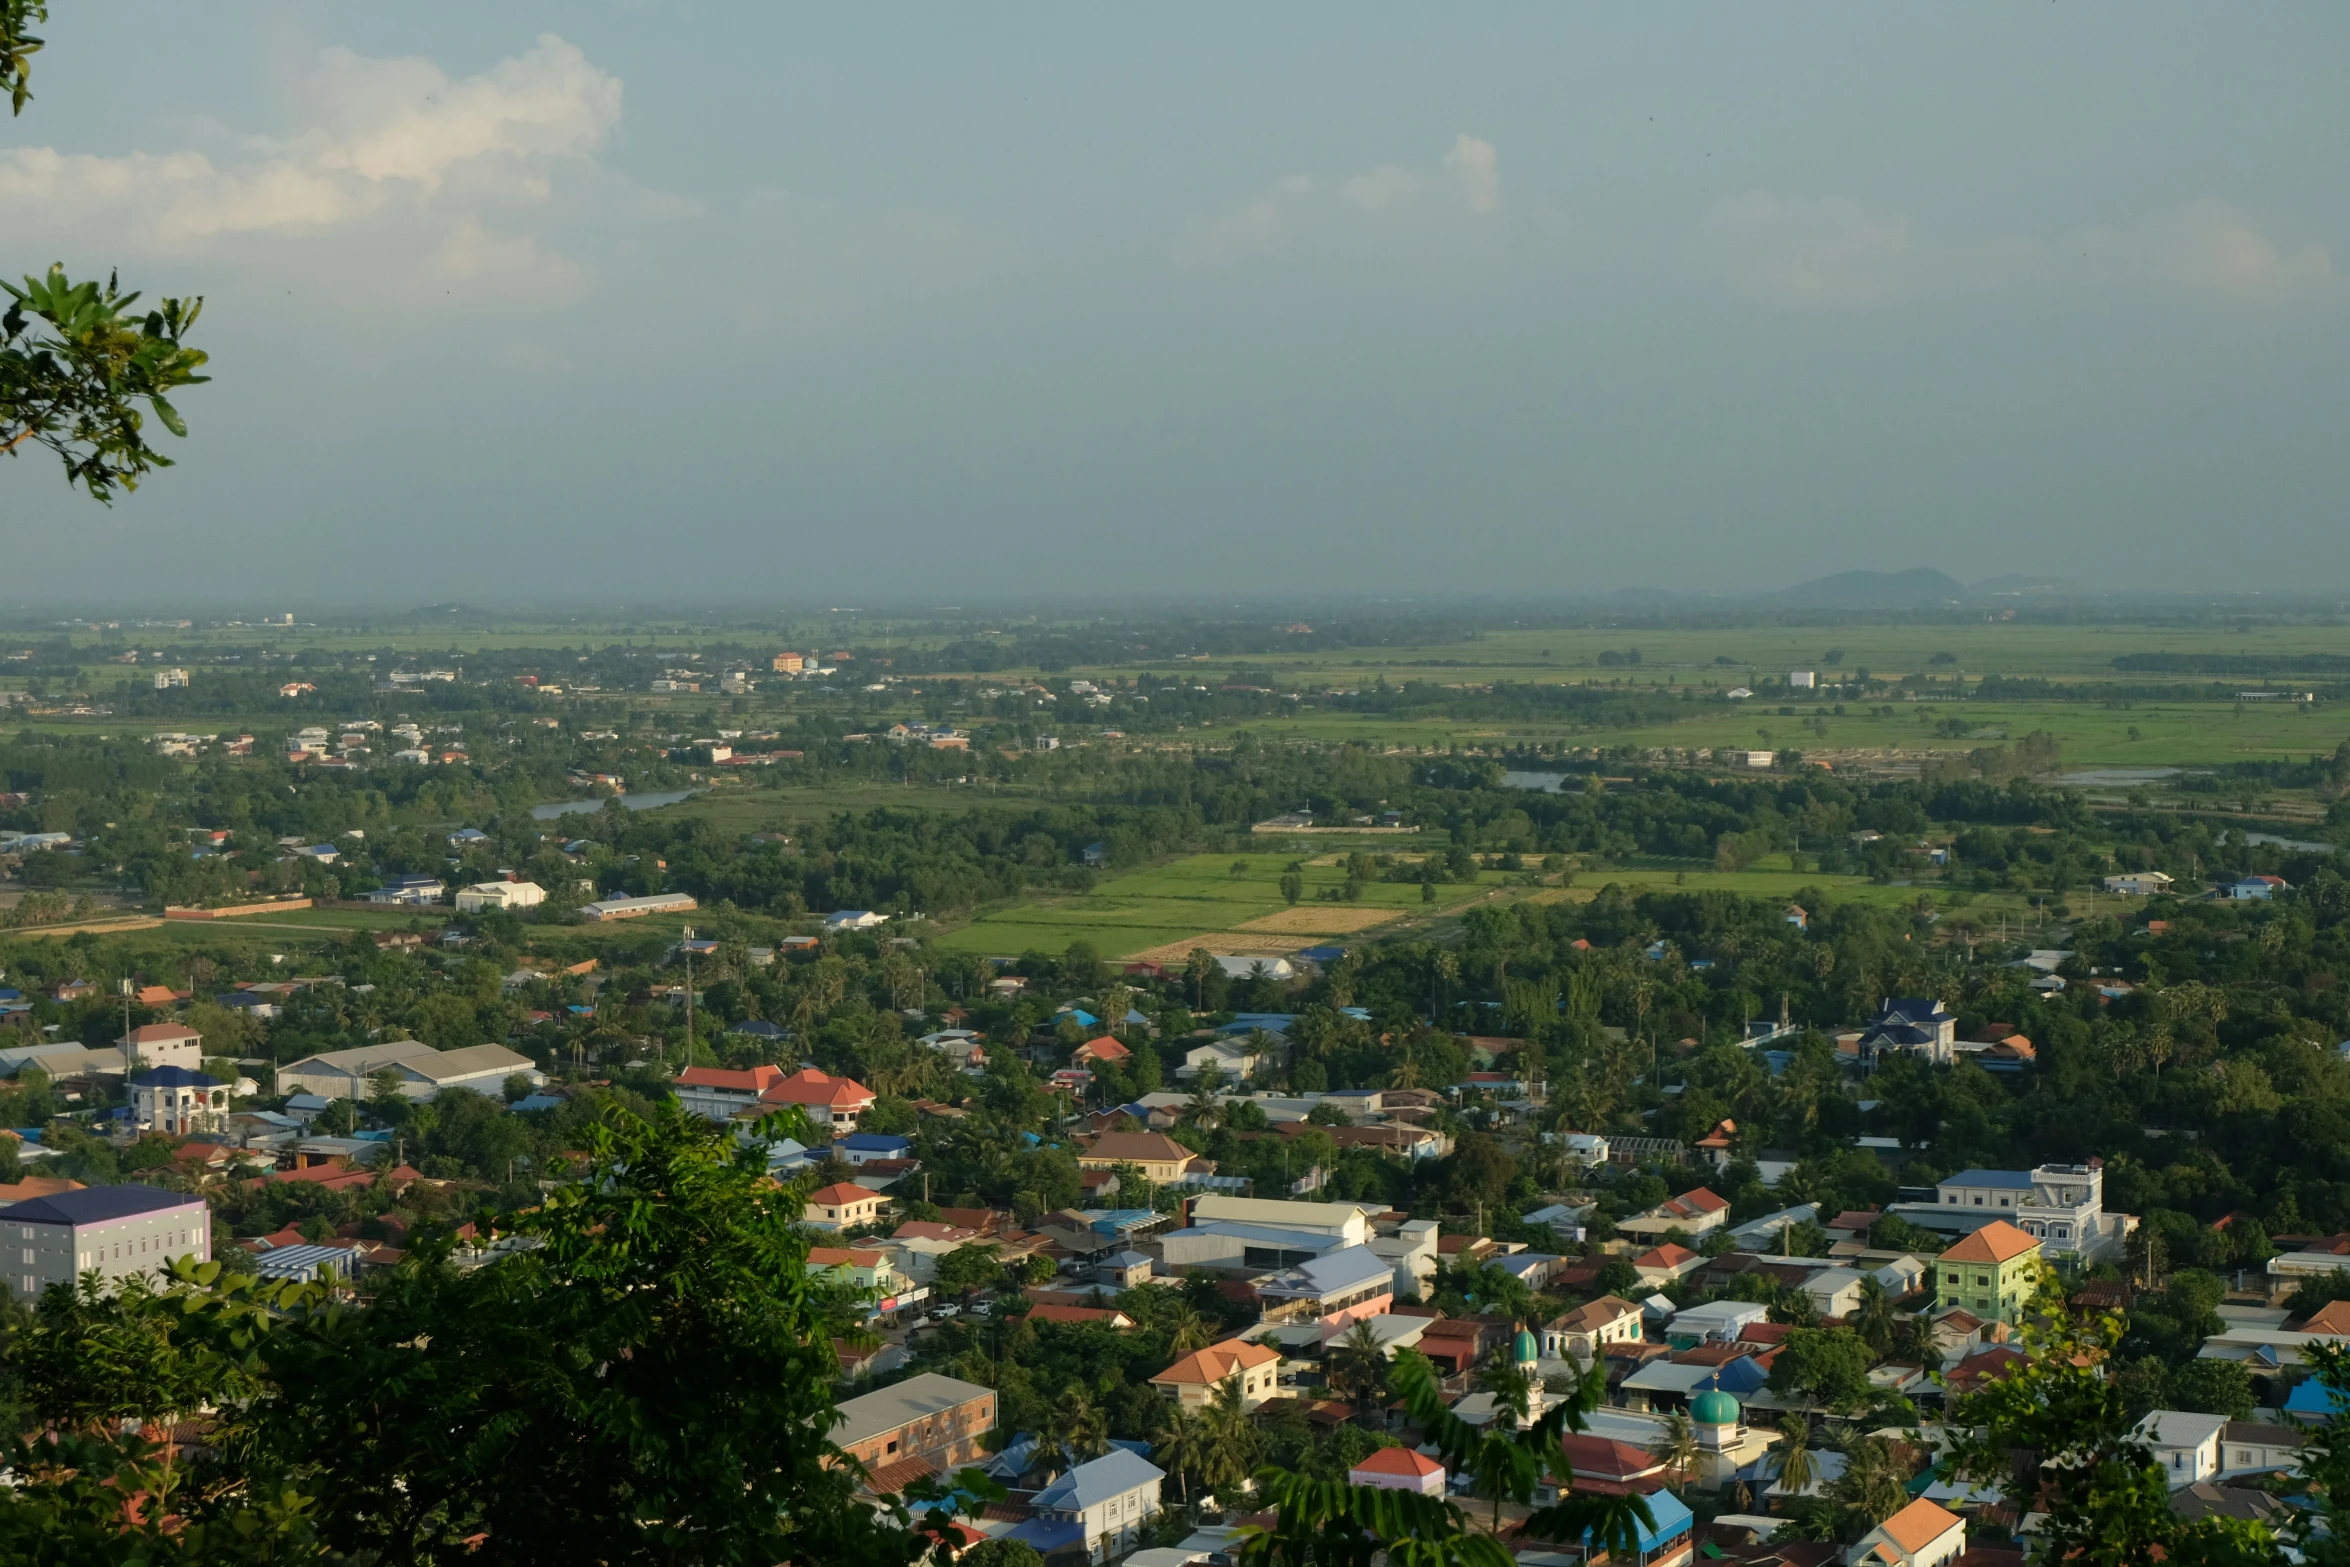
point(1475, 169)
point(401, 164)
point(1825, 252)
point(1468, 176)
point(2210, 248)
point(1252, 226)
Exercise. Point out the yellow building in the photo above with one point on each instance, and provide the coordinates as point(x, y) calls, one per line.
point(1990, 1273)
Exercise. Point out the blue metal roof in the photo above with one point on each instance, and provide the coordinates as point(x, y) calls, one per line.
point(2011, 1180)
point(96, 1205)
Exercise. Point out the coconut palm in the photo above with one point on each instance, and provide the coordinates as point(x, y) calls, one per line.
point(1874, 1484)
point(1676, 1444)
point(1356, 1365)
point(1872, 1317)
point(1183, 1448)
point(1233, 1439)
point(1085, 1429)
point(1187, 1329)
point(1796, 1469)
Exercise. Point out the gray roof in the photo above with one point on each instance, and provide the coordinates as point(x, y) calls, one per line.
point(870, 1414)
point(1114, 1474)
point(1346, 1268)
point(96, 1205)
point(2015, 1180)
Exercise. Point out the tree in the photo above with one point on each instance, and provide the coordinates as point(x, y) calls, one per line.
point(1000, 1553)
point(1873, 1317)
point(1356, 1366)
point(1796, 1469)
point(1829, 1365)
point(1872, 1488)
point(1676, 1444)
point(968, 1269)
point(1232, 1438)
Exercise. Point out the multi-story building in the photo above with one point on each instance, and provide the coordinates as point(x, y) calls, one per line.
point(1110, 1501)
point(1916, 1025)
point(930, 1417)
point(2062, 1206)
point(164, 1044)
point(1193, 1380)
point(1583, 1332)
point(1990, 1273)
point(115, 1231)
point(183, 1103)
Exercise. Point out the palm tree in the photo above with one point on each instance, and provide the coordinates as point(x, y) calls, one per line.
point(1872, 1318)
point(1513, 1395)
point(1796, 1469)
point(1085, 1430)
point(1183, 1447)
point(1676, 1445)
point(1187, 1329)
point(1874, 1484)
point(1357, 1366)
point(1233, 1439)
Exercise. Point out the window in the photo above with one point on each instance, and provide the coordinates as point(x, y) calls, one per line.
point(1978, 1202)
point(1982, 1281)
point(2003, 1202)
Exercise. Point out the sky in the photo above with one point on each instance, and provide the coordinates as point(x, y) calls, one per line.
point(739, 303)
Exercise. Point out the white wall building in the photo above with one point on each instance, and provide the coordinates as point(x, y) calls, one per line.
point(116, 1230)
point(500, 895)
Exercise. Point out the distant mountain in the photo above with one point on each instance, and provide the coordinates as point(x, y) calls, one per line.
point(2018, 584)
point(1916, 587)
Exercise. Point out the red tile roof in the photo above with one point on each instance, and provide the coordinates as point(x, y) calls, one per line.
point(1399, 1461)
point(811, 1087)
point(752, 1081)
point(1998, 1241)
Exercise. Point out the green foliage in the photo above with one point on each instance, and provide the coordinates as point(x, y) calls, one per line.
point(17, 47)
point(1829, 1365)
point(75, 362)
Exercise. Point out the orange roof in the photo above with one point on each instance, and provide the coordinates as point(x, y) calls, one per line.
point(160, 1033)
point(1138, 1148)
point(1593, 1315)
point(811, 1087)
point(1212, 1365)
point(842, 1257)
point(751, 1081)
point(1666, 1256)
point(1104, 1049)
point(1919, 1525)
point(842, 1194)
point(1051, 1313)
point(2332, 1317)
point(1698, 1201)
point(1998, 1241)
point(1399, 1461)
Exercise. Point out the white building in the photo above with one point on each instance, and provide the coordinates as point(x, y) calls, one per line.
point(183, 1103)
point(164, 1044)
point(2139, 884)
point(421, 1071)
point(500, 895)
point(116, 1230)
point(854, 919)
point(1803, 680)
point(2186, 1446)
point(2062, 1206)
point(1114, 1497)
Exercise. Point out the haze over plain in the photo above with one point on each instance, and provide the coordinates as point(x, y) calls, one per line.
point(735, 302)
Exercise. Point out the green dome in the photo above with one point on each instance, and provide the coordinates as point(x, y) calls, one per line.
point(1713, 1407)
point(1525, 1349)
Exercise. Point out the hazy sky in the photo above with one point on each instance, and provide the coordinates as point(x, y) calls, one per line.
point(757, 301)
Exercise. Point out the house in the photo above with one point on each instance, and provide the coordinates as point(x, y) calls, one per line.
point(1797, 915)
point(1715, 1321)
point(1990, 1273)
point(1081, 1314)
point(856, 1266)
point(500, 895)
point(1193, 1380)
point(417, 891)
point(179, 1102)
point(259, 1005)
point(2139, 884)
point(2246, 1447)
point(1333, 1289)
point(418, 1070)
point(73, 990)
point(1112, 1500)
point(1834, 1292)
point(164, 1044)
point(2251, 887)
point(2186, 1446)
point(1580, 1334)
point(717, 1094)
point(843, 1206)
point(1160, 1158)
point(2060, 1205)
point(831, 1103)
point(115, 1230)
point(1258, 965)
point(1923, 1534)
point(606, 909)
point(1234, 1061)
point(1399, 1469)
point(1911, 1024)
point(463, 838)
point(1104, 1049)
point(930, 1417)
point(862, 1148)
point(1665, 1264)
point(1694, 1213)
point(853, 919)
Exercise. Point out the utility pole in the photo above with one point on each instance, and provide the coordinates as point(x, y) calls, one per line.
point(686, 946)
